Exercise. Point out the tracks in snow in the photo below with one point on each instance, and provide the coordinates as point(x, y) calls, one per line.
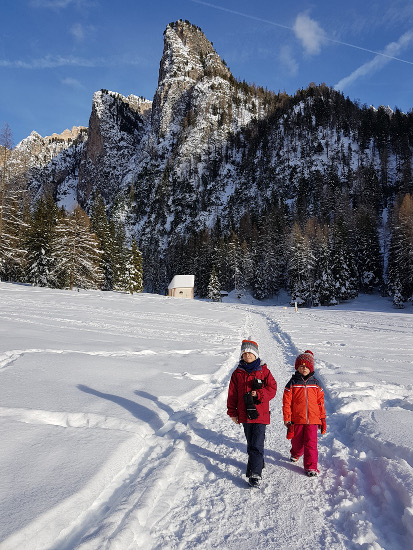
point(181, 486)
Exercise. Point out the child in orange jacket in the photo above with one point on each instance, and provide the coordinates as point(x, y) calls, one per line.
point(304, 412)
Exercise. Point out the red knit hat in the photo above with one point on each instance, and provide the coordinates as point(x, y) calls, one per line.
point(249, 346)
point(306, 359)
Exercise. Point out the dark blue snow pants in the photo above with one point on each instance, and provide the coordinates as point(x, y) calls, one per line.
point(255, 434)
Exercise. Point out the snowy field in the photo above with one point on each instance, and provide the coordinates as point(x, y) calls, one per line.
point(114, 432)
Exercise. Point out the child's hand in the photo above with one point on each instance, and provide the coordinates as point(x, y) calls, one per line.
point(323, 426)
point(290, 430)
point(235, 419)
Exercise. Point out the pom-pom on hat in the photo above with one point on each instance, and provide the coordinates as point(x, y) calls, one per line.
point(249, 346)
point(306, 359)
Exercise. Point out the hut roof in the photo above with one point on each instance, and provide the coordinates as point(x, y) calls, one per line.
point(182, 281)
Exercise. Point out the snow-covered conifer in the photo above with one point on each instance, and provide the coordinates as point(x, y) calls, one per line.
point(214, 288)
point(76, 253)
point(101, 227)
point(39, 265)
point(131, 279)
point(14, 213)
point(400, 264)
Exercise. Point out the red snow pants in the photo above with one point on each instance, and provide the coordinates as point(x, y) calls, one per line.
point(305, 442)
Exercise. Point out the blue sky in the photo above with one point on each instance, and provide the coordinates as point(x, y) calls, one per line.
point(54, 54)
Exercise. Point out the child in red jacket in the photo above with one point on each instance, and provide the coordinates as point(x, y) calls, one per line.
point(304, 412)
point(251, 388)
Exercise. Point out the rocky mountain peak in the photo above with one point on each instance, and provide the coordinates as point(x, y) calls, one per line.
point(67, 135)
point(189, 54)
point(188, 59)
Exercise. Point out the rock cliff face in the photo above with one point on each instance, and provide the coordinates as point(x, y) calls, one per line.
point(188, 60)
point(116, 127)
point(50, 163)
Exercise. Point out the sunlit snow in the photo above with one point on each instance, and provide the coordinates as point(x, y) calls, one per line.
point(114, 432)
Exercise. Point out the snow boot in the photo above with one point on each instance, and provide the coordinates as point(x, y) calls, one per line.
point(249, 472)
point(254, 481)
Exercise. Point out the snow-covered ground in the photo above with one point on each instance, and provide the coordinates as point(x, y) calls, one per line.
point(114, 432)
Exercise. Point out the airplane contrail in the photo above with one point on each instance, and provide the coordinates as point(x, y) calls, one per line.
point(291, 29)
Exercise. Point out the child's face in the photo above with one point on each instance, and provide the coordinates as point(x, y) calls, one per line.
point(304, 370)
point(248, 357)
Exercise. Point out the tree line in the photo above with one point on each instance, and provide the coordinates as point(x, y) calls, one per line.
point(317, 263)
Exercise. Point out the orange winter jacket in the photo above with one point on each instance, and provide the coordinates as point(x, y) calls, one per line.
point(303, 400)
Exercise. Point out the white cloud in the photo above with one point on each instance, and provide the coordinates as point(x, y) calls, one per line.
point(78, 32)
point(81, 32)
point(61, 4)
point(309, 32)
point(378, 62)
point(55, 4)
point(72, 83)
point(53, 61)
point(50, 62)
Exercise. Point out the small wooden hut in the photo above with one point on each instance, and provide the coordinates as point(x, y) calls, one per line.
point(182, 286)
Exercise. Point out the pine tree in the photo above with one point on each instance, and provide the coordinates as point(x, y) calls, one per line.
point(132, 277)
point(102, 228)
point(261, 275)
point(342, 256)
point(12, 242)
point(400, 264)
point(14, 213)
point(369, 264)
point(301, 268)
point(324, 287)
point(220, 254)
point(76, 253)
point(39, 242)
point(235, 264)
point(398, 301)
point(296, 267)
point(202, 262)
point(214, 289)
point(6, 144)
point(119, 253)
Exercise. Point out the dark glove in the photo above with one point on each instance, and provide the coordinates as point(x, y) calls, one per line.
point(323, 426)
point(257, 384)
point(252, 412)
point(290, 431)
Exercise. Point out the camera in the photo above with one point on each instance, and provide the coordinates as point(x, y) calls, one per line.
point(252, 412)
point(257, 384)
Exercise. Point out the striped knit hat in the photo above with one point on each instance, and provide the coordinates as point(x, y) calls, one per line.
point(306, 359)
point(250, 346)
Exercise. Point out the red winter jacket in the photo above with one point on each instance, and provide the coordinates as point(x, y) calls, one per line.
point(303, 400)
point(240, 384)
